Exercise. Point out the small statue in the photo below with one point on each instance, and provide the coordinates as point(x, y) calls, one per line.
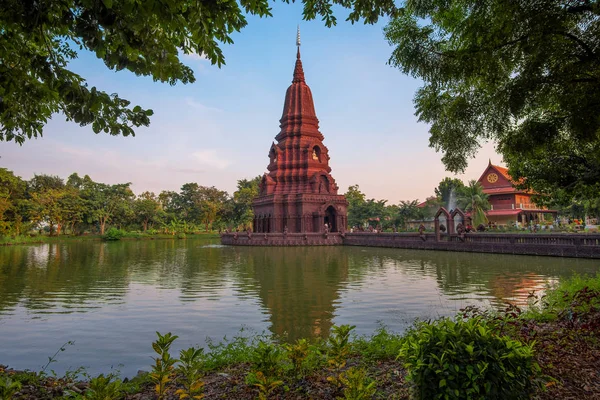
point(285, 230)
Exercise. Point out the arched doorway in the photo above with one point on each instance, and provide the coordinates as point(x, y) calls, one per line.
point(330, 218)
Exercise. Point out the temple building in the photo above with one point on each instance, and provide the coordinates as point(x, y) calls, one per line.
point(507, 203)
point(298, 193)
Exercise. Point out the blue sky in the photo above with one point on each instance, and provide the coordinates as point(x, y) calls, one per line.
point(220, 128)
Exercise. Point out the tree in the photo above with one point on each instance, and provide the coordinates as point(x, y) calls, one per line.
point(46, 192)
point(361, 210)
point(147, 208)
point(523, 73)
point(240, 212)
point(211, 205)
point(145, 37)
point(448, 190)
point(12, 193)
point(102, 201)
point(409, 210)
point(356, 206)
point(472, 199)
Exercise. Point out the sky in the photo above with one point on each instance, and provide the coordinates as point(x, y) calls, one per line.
point(220, 128)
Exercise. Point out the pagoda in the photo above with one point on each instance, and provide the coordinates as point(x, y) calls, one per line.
point(298, 193)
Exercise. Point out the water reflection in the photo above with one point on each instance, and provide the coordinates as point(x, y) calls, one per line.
point(111, 297)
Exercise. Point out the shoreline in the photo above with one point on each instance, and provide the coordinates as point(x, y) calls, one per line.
point(97, 238)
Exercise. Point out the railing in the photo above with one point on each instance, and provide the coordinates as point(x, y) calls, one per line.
point(568, 245)
point(517, 206)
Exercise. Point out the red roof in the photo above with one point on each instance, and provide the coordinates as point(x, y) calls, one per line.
point(503, 171)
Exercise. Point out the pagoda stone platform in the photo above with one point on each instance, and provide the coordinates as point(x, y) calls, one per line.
point(282, 239)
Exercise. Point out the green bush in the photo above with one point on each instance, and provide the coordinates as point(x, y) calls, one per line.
point(466, 360)
point(181, 235)
point(113, 234)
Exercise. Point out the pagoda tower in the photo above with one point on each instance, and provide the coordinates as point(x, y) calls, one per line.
point(298, 194)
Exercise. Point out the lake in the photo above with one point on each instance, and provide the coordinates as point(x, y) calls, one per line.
point(111, 298)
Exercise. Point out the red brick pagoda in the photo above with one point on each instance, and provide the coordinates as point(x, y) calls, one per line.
point(298, 194)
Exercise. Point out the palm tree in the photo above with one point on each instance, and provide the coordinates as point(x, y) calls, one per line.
point(471, 198)
point(408, 210)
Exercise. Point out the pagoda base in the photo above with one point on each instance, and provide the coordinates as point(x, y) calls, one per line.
point(282, 239)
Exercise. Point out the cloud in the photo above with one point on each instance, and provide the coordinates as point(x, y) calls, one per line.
point(195, 56)
point(199, 106)
point(197, 61)
point(209, 157)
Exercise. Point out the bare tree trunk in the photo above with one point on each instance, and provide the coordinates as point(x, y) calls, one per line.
point(145, 225)
point(102, 225)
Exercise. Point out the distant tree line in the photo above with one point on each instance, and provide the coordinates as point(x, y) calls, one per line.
point(79, 205)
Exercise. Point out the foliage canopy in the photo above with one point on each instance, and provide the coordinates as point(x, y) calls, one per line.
point(524, 73)
point(39, 38)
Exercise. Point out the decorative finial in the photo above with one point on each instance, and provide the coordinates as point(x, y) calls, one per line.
point(298, 72)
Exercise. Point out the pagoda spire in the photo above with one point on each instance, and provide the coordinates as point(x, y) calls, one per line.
point(298, 71)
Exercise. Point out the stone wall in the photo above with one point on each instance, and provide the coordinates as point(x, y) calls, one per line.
point(281, 239)
point(560, 245)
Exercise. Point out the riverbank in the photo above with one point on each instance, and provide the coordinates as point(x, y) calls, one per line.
point(560, 333)
point(38, 239)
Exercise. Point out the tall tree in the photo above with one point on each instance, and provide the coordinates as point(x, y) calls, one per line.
point(39, 38)
point(473, 200)
point(523, 73)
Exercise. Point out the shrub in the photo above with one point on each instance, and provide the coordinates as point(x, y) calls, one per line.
point(113, 234)
point(104, 388)
point(190, 372)
point(267, 358)
point(358, 386)
point(382, 345)
point(163, 367)
point(466, 360)
point(181, 235)
point(8, 388)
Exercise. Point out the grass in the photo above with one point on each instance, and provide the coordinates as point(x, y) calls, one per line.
point(577, 294)
point(33, 239)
